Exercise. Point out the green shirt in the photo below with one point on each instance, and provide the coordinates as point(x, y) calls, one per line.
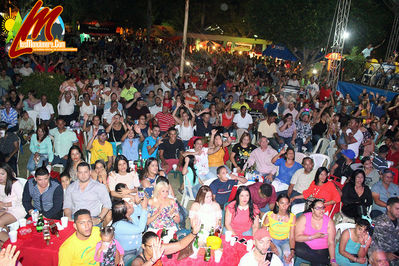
point(128, 94)
point(6, 82)
point(63, 141)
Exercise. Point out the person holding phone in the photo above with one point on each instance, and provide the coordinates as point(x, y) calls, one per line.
point(259, 256)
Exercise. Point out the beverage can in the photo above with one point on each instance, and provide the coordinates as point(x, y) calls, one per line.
point(35, 216)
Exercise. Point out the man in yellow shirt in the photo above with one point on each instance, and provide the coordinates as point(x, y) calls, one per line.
point(79, 248)
point(241, 102)
point(100, 148)
point(128, 92)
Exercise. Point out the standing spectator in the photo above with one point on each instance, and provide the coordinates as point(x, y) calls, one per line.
point(10, 116)
point(9, 144)
point(170, 150)
point(45, 110)
point(64, 139)
point(304, 133)
point(243, 122)
point(185, 124)
point(268, 128)
point(43, 194)
point(367, 51)
point(386, 231)
point(100, 148)
point(382, 191)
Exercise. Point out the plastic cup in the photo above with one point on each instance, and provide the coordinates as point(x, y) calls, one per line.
point(22, 222)
point(13, 236)
point(232, 242)
point(228, 235)
point(64, 221)
point(250, 245)
point(343, 179)
point(235, 170)
point(218, 255)
point(174, 167)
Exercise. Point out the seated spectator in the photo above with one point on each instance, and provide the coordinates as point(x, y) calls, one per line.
point(380, 160)
point(286, 131)
point(130, 143)
point(66, 107)
point(262, 157)
point(151, 144)
point(65, 181)
point(243, 121)
point(241, 102)
point(85, 193)
point(184, 124)
point(354, 243)
point(86, 107)
point(342, 166)
point(257, 256)
point(64, 139)
point(206, 209)
point(163, 212)
point(41, 148)
point(377, 258)
point(95, 124)
point(45, 110)
point(100, 148)
point(30, 102)
point(144, 127)
point(136, 107)
point(222, 186)
point(10, 199)
point(110, 113)
point(10, 116)
point(268, 128)
point(79, 248)
point(108, 250)
point(43, 194)
point(281, 225)
point(382, 191)
point(386, 231)
point(372, 174)
point(354, 136)
point(152, 249)
point(302, 179)
point(203, 124)
point(129, 223)
point(170, 150)
point(9, 144)
point(241, 152)
point(315, 236)
point(150, 175)
point(263, 195)
point(122, 174)
point(26, 126)
point(75, 157)
point(322, 188)
point(304, 132)
point(190, 175)
point(356, 196)
point(218, 145)
point(287, 168)
point(99, 173)
point(393, 153)
point(157, 107)
point(115, 130)
point(165, 120)
point(227, 118)
point(242, 216)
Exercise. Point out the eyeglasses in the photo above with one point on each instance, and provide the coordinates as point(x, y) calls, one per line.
point(320, 208)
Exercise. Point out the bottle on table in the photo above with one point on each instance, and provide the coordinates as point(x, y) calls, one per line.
point(40, 223)
point(46, 233)
point(164, 234)
point(207, 256)
point(212, 232)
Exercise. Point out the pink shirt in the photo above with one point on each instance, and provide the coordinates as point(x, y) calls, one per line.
point(319, 243)
point(119, 248)
point(263, 160)
point(240, 221)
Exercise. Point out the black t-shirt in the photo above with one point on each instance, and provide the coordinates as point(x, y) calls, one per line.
point(135, 113)
point(201, 129)
point(7, 143)
point(343, 169)
point(116, 135)
point(242, 154)
point(171, 151)
point(319, 128)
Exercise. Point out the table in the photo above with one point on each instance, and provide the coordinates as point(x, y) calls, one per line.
point(34, 250)
point(231, 256)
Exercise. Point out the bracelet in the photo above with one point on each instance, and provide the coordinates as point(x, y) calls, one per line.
point(363, 246)
point(194, 234)
point(333, 261)
point(292, 249)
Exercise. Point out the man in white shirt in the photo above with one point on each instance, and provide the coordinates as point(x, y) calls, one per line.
point(367, 51)
point(26, 70)
point(243, 121)
point(45, 110)
point(157, 107)
point(109, 113)
point(67, 107)
point(301, 180)
point(354, 136)
point(257, 256)
point(291, 110)
point(293, 81)
point(313, 87)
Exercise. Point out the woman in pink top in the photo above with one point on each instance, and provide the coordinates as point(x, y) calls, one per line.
point(315, 236)
point(242, 216)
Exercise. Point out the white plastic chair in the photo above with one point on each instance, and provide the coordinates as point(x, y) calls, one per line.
point(298, 208)
point(299, 157)
point(320, 160)
point(321, 146)
point(331, 152)
point(33, 114)
point(333, 144)
point(187, 193)
point(263, 219)
point(22, 181)
point(340, 228)
point(209, 181)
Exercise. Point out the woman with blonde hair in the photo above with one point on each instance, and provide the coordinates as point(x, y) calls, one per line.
point(163, 212)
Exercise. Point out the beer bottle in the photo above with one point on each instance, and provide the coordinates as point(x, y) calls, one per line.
point(207, 256)
point(40, 223)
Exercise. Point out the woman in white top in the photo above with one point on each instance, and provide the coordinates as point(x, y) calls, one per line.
point(95, 125)
point(122, 174)
point(86, 107)
point(10, 199)
point(206, 209)
point(185, 124)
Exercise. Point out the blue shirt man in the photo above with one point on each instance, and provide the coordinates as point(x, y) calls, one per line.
point(151, 144)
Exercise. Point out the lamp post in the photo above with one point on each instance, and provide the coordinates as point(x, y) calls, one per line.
point(183, 51)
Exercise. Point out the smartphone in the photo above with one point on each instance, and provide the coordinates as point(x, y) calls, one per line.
point(141, 192)
point(131, 164)
point(269, 256)
point(242, 241)
point(136, 122)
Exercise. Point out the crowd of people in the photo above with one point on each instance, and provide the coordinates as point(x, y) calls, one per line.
point(226, 118)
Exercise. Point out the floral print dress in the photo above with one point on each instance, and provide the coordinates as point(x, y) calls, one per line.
point(163, 220)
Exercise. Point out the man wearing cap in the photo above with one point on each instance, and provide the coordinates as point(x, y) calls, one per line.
point(382, 191)
point(137, 107)
point(342, 166)
point(100, 148)
point(257, 256)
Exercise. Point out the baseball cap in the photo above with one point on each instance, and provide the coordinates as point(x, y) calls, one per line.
point(101, 131)
point(140, 99)
point(349, 153)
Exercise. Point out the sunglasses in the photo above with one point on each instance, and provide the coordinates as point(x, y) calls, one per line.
point(320, 208)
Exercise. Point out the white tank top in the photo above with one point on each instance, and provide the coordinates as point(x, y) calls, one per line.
point(185, 133)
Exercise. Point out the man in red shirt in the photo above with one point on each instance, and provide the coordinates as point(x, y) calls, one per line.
point(325, 93)
point(393, 153)
point(165, 120)
point(263, 195)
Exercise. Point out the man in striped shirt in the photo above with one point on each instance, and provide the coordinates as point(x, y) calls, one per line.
point(165, 120)
point(10, 116)
point(190, 98)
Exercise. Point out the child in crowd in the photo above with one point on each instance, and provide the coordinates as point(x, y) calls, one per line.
point(108, 250)
point(65, 180)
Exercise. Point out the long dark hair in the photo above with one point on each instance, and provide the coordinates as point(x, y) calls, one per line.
point(10, 177)
point(119, 211)
point(69, 164)
point(250, 203)
point(45, 131)
point(352, 180)
point(147, 164)
point(191, 165)
point(317, 175)
point(276, 208)
point(121, 158)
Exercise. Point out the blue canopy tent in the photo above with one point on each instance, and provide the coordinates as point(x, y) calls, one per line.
point(279, 51)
